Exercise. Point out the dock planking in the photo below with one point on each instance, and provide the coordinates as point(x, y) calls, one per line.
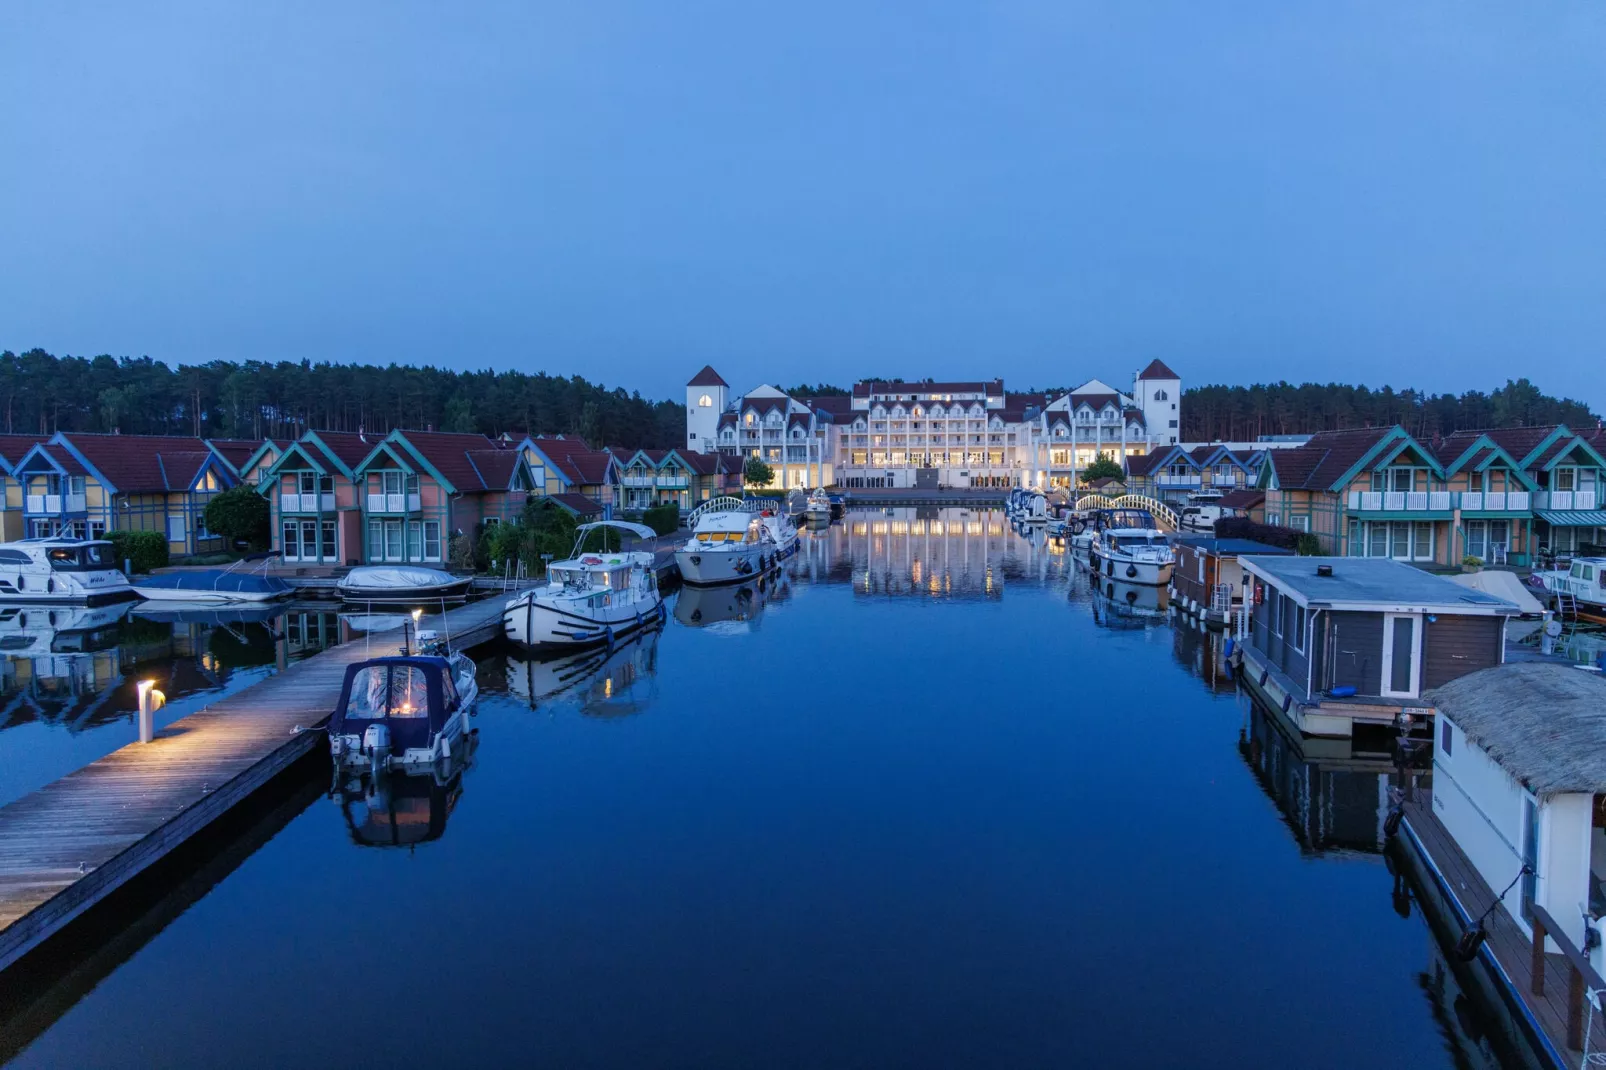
point(68, 845)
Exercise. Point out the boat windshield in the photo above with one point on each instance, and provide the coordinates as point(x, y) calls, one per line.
point(1128, 542)
point(378, 691)
point(90, 558)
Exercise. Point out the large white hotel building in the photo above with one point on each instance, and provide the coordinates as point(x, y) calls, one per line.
point(934, 435)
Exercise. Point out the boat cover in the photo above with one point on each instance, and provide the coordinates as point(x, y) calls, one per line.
point(1502, 585)
point(395, 578)
point(413, 695)
point(220, 581)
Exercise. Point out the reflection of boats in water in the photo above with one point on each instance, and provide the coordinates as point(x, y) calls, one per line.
point(596, 682)
point(724, 610)
point(1128, 605)
point(30, 630)
point(190, 613)
point(396, 810)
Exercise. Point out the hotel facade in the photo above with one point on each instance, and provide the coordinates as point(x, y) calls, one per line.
point(935, 435)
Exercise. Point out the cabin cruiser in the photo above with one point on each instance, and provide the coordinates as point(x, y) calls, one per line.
point(216, 585)
point(402, 712)
point(402, 585)
point(1201, 512)
point(1126, 545)
point(818, 508)
point(1583, 583)
point(590, 597)
point(726, 546)
point(82, 571)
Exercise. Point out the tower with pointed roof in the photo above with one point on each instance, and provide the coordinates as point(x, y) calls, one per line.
point(706, 397)
point(1158, 391)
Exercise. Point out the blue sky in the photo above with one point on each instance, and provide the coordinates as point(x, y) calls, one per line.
point(1368, 192)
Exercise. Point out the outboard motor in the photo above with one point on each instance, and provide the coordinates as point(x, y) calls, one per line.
point(376, 744)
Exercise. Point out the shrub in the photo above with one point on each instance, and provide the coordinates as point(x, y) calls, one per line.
point(240, 513)
point(1241, 527)
point(1308, 545)
point(755, 473)
point(664, 519)
point(146, 549)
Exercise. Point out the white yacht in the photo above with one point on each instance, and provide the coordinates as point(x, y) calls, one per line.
point(1201, 511)
point(726, 546)
point(819, 508)
point(82, 571)
point(1125, 545)
point(1583, 582)
point(590, 597)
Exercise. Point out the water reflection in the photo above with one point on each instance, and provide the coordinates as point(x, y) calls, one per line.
point(729, 610)
point(594, 682)
point(931, 552)
point(1200, 650)
point(1121, 605)
point(1332, 801)
point(392, 810)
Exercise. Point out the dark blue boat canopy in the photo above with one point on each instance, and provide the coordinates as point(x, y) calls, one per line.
point(413, 695)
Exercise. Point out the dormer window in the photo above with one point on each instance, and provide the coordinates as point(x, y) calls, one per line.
point(752, 418)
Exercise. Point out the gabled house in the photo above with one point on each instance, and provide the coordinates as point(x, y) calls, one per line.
point(1369, 492)
point(1169, 474)
point(1567, 471)
point(573, 474)
point(420, 489)
point(712, 475)
point(312, 487)
point(85, 485)
point(254, 464)
point(12, 449)
point(1493, 498)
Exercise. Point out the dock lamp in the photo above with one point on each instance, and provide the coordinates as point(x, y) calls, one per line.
point(150, 700)
point(407, 640)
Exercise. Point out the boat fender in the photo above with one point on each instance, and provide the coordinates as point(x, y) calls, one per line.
point(1346, 691)
point(696, 559)
point(1229, 648)
point(608, 634)
point(50, 585)
point(1391, 824)
point(1131, 570)
point(1466, 948)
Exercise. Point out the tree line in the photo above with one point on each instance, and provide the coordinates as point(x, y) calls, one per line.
point(41, 393)
point(1241, 413)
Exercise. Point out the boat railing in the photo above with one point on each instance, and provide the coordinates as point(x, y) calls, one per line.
point(730, 504)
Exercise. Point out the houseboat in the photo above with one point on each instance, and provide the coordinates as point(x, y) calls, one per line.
point(402, 585)
point(1207, 581)
point(1140, 554)
point(1579, 589)
point(71, 571)
point(727, 546)
point(235, 584)
point(589, 598)
point(1507, 849)
point(1345, 646)
point(405, 711)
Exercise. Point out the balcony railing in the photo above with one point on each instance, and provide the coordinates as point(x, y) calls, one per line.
point(1567, 499)
point(1495, 501)
point(393, 503)
point(307, 503)
point(1166, 479)
point(672, 482)
point(48, 503)
point(1435, 501)
point(637, 481)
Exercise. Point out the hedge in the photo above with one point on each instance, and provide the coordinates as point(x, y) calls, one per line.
point(146, 549)
point(1241, 527)
point(664, 519)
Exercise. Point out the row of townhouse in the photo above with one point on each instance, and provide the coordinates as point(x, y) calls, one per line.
point(336, 497)
point(1175, 473)
point(1500, 495)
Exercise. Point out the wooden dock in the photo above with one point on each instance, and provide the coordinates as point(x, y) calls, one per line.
point(1553, 1035)
point(68, 845)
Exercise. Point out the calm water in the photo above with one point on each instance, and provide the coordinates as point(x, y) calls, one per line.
point(927, 801)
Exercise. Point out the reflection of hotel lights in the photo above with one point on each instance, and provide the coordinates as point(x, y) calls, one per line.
point(936, 527)
point(914, 570)
point(900, 527)
point(879, 528)
point(861, 528)
point(607, 688)
point(973, 528)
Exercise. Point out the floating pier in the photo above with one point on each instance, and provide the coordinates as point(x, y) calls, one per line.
point(69, 845)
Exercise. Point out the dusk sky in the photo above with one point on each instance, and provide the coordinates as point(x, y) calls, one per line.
point(1404, 193)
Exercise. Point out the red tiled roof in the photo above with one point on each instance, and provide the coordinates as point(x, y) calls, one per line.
point(1519, 441)
point(1158, 370)
point(1244, 498)
point(1145, 463)
point(836, 405)
point(495, 467)
point(1094, 401)
point(448, 453)
point(347, 447)
point(585, 467)
point(136, 464)
point(235, 450)
point(1320, 463)
point(574, 441)
point(12, 447)
point(707, 377)
point(578, 504)
point(65, 460)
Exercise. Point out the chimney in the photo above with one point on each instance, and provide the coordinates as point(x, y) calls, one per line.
point(1324, 570)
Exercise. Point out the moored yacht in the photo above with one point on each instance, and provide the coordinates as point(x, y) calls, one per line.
point(234, 584)
point(1201, 511)
point(819, 508)
point(726, 546)
point(590, 597)
point(402, 585)
point(82, 571)
point(1126, 545)
point(406, 711)
point(1581, 586)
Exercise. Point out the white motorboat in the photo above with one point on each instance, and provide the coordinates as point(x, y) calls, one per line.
point(1583, 583)
point(726, 546)
point(232, 585)
point(1126, 545)
point(819, 508)
point(77, 571)
point(1034, 508)
point(1201, 511)
point(402, 585)
point(590, 597)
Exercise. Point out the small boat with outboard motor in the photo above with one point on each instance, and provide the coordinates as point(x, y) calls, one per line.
point(247, 580)
point(402, 585)
point(589, 598)
point(405, 711)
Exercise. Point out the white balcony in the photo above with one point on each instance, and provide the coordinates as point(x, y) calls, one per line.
point(1167, 479)
point(35, 503)
point(44, 503)
point(307, 503)
point(1400, 501)
point(636, 481)
point(672, 482)
point(393, 503)
point(1568, 499)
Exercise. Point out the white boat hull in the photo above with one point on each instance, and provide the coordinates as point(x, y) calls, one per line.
point(707, 568)
point(1125, 570)
point(535, 621)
